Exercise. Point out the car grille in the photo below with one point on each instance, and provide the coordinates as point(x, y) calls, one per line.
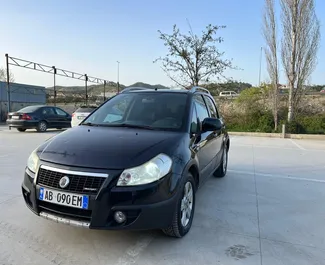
point(79, 184)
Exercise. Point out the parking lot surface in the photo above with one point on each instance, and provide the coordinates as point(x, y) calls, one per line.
point(268, 210)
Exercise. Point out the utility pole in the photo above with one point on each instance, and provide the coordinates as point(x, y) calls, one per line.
point(118, 76)
point(259, 75)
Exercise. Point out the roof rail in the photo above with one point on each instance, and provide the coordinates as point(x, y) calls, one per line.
point(197, 88)
point(134, 88)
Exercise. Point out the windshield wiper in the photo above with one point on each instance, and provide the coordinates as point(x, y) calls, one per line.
point(127, 125)
point(89, 124)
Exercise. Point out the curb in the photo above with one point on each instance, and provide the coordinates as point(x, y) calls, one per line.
point(280, 135)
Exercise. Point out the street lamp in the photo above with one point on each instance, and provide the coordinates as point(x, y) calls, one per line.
point(259, 75)
point(118, 76)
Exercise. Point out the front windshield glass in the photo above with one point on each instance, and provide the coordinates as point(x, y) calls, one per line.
point(147, 110)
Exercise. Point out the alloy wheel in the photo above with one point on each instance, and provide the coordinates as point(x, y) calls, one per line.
point(187, 204)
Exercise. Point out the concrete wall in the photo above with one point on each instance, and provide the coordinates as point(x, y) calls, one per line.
point(21, 95)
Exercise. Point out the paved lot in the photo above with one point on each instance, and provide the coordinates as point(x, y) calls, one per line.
point(268, 210)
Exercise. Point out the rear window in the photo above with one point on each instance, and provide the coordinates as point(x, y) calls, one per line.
point(29, 109)
point(86, 109)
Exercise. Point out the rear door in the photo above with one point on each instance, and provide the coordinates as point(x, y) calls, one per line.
point(63, 118)
point(48, 114)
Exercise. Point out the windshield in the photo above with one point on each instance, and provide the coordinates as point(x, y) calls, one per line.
point(147, 110)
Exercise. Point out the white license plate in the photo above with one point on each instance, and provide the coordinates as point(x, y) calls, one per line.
point(15, 117)
point(64, 198)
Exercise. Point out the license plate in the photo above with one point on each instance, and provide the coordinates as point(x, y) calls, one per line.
point(15, 117)
point(64, 198)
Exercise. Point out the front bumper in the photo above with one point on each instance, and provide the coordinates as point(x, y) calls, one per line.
point(150, 206)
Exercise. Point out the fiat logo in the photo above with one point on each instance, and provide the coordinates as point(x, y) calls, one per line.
point(64, 182)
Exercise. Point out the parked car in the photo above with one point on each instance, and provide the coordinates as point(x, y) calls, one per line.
point(322, 91)
point(80, 114)
point(228, 94)
point(40, 118)
point(139, 169)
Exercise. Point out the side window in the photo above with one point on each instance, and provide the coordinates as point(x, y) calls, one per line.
point(194, 127)
point(212, 107)
point(48, 111)
point(201, 108)
point(60, 112)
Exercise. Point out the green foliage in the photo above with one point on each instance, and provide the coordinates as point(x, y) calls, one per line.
point(255, 121)
point(311, 124)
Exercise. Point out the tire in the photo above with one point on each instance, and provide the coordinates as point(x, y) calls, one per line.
point(221, 171)
point(21, 129)
point(178, 228)
point(42, 126)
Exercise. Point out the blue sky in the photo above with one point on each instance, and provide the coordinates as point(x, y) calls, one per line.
point(90, 36)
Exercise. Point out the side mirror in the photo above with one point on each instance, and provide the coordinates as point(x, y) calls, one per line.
point(211, 124)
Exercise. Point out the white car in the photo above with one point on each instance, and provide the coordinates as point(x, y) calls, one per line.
point(228, 94)
point(80, 114)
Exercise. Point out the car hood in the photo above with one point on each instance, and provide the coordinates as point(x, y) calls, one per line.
point(106, 148)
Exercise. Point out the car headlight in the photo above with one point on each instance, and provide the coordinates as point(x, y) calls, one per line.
point(151, 171)
point(32, 162)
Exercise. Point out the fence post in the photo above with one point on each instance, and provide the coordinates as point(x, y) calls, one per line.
point(8, 82)
point(54, 73)
point(86, 79)
point(283, 130)
point(104, 90)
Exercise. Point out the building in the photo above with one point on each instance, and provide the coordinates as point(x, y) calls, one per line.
point(21, 95)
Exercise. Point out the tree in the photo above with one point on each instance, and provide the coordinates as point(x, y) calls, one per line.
point(300, 42)
point(193, 59)
point(3, 75)
point(271, 55)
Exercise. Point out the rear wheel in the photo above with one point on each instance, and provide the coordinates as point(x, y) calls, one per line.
point(221, 171)
point(42, 126)
point(183, 216)
point(21, 129)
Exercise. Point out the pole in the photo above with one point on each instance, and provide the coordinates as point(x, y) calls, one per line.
point(54, 73)
point(118, 76)
point(8, 82)
point(86, 79)
point(259, 75)
point(104, 91)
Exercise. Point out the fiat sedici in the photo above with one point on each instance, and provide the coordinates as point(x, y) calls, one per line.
point(136, 162)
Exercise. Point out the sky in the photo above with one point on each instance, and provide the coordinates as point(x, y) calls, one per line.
point(91, 36)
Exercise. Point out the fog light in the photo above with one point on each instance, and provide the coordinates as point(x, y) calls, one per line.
point(119, 217)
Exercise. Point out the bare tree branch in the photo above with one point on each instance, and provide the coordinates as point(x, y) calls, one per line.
point(271, 54)
point(3, 75)
point(300, 43)
point(193, 59)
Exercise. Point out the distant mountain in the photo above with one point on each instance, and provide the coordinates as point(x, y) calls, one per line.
point(140, 84)
point(98, 89)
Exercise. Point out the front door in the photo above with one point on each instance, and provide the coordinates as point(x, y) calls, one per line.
point(63, 118)
point(205, 142)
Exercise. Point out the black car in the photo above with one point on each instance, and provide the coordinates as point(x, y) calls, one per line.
point(138, 168)
point(40, 118)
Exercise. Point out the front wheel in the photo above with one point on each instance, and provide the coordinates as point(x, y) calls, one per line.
point(183, 216)
point(221, 171)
